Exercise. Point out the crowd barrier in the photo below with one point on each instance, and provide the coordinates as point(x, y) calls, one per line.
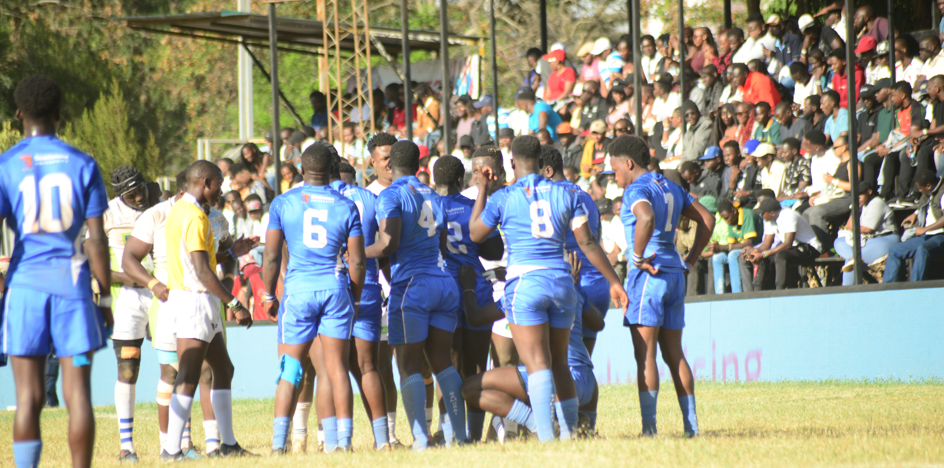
point(857, 332)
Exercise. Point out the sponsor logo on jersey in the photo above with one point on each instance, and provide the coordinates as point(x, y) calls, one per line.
point(27, 161)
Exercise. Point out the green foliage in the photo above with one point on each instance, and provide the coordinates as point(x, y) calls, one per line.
point(8, 136)
point(105, 133)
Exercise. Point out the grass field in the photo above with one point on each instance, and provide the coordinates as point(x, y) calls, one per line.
point(752, 424)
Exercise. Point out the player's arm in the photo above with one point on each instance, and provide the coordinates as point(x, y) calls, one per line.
point(478, 230)
point(135, 251)
point(96, 247)
point(492, 249)
point(123, 278)
point(207, 277)
point(705, 223)
point(388, 238)
point(475, 315)
point(271, 268)
point(591, 248)
point(357, 267)
point(759, 254)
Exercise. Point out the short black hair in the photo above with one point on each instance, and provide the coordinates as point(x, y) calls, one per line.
point(405, 155)
point(832, 94)
point(346, 168)
point(550, 157)
point(903, 87)
point(236, 168)
point(632, 147)
point(647, 37)
point(493, 154)
point(380, 139)
point(763, 104)
point(689, 166)
point(526, 147)
point(782, 105)
point(768, 193)
point(815, 137)
point(226, 160)
point(740, 66)
point(815, 100)
point(732, 144)
point(736, 32)
point(317, 158)
point(181, 181)
point(534, 52)
point(925, 177)
point(725, 205)
point(793, 143)
point(203, 169)
point(38, 97)
point(448, 171)
point(799, 68)
point(526, 95)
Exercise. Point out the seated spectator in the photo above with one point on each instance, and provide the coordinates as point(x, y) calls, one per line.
point(797, 176)
point(823, 161)
point(666, 100)
point(540, 114)
point(908, 114)
point(707, 94)
point(290, 177)
point(835, 203)
point(725, 125)
point(771, 169)
point(560, 84)
point(620, 108)
point(754, 86)
point(837, 61)
point(593, 107)
point(790, 126)
point(696, 137)
point(240, 225)
point(744, 229)
point(672, 140)
point(572, 149)
point(877, 228)
point(927, 240)
point(789, 242)
point(707, 180)
point(745, 120)
point(873, 126)
point(246, 184)
point(589, 71)
point(768, 130)
point(837, 118)
point(813, 113)
point(908, 66)
point(260, 223)
point(718, 241)
point(732, 177)
point(594, 149)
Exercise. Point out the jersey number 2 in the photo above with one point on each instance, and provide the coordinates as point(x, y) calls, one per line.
point(315, 236)
point(455, 235)
point(45, 211)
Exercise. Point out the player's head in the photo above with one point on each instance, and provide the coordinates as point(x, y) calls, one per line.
point(130, 186)
point(552, 164)
point(38, 98)
point(404, 158)
point(379, 147)
point(629, 157)
point(769, 209)
point(204, 181)
point(490, 158)
point(318, 163)
point(449, 172)
point(347, 173)
point(526, 155)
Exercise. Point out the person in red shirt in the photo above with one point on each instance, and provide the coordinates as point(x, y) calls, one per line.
point(837, 61)
point(249, 283)
point(754, 86)
point(562, 80)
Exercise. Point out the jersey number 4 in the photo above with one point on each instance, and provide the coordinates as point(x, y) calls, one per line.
point(428, 219)
point(315, 236)
point(55, 194)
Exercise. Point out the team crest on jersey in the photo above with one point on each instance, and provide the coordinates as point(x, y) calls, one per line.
point(27, 161)
point(304, 198)
point(411, 188)
point(527, 192)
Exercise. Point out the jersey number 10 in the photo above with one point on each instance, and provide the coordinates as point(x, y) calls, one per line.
point(48, 204)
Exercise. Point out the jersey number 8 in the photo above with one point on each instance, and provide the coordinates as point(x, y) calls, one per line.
point(541, 226)
point(47, 222)
point(315, 236)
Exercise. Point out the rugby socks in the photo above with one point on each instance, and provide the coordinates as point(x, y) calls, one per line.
point(222, 401)
point(451, 385)
point(476, 421)
point(429, 418)
point(567, 417)
point(179, 414)
point(300, 421)
point(124, 406)
point(414, 401)
point(26, 453)
point(392, 425)
point(280, 432)
point(592, 416)
point(521, 414)
point(541, 394)
point(647, 406)
point(379, 427)
point(185, 443)
point(345, 432)
point(330, 426)
point(162, 437)
point(689, 417)
point(211, 434)
point(445, 425)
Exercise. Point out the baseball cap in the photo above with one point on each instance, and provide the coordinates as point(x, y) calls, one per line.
point(764, 149)
point(774, 19)
point(465, 99)
point(485, 100)
point(804, 22)
point(883, 83)
point(866, 185)
point(598, 126)
point(711, 153)
point(424, 150)
point(564, 129)
point(750, 146)
point(585, 49)
point(866, 43)
point(768, 204)
point(882, 48)
point(601, 45)
point(559, 46)
point(555, 56)
point(868, 91)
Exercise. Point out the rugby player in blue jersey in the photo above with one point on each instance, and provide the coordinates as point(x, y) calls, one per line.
point(316, 224)
point(540, 299)
point(49, 192)
point(423, 297)
point(651, 209)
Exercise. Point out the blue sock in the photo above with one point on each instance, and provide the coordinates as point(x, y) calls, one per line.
point(476, 421)
point(26, 453)
point(567, 417)
point(522, 414)
point(380, 432)
point(541, 393)
point(689, 416)
point(280, 432)
point(592, 416)
point(345, 432)
point(647, 406)
point(446, 425)
point(451, 385)
point(413, 391)
point(330, 426)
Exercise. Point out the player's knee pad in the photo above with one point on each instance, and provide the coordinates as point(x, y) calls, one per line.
point(164, 391)
point(128, 353)
point(290, 370)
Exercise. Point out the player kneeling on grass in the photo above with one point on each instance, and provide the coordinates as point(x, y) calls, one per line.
point(316, 224)
point(656, 282)
point(194, 299)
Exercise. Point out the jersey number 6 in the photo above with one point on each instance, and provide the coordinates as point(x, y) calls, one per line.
point(315, 235)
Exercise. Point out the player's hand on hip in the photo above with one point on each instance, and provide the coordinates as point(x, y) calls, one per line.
point(243, 317)
point(646, 265)
point(618, 294)
point(272, 310)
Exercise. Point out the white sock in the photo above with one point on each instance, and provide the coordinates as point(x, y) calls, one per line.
point(163, 438)
point(223, 409)
point(211, 432)
point(429, 417)
point(392, 425)
point(185, 443)
point(320, 436)
point(300, 421)
point(179, 414)
point(124, 406)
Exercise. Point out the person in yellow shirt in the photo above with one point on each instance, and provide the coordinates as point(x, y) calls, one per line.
point(194, 301)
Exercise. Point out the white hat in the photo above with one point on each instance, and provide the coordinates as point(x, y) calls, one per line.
point(804, 22)
point(764, 149)
point(600, 46)
point(558, 46)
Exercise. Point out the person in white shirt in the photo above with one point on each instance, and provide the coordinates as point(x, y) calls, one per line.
point(908, 67)
point(650, 57)
point(798, 245)
point(822, 161)
point(772, 170)
point(753, 47)
point(666, 101)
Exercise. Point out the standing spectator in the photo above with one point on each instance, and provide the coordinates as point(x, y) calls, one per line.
point(707, 94)
point(466, 114)
point(482, 128)
point(319, 108)
point(837, 60)
point(790, 126)
point(593, 106)
point(754, 86)
point(429, 117)
point(877, 225)
point(788, 241)
point(572, 149)
point(611, 64)
point(696, 138)
point(928, 240)
point(560, 84)
point(768, 130)
point(590, 70)
point(837, 120)
point(745, 229)
point(797, 176)
point(835, 203)
point(540, 114)
point(866, 24)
